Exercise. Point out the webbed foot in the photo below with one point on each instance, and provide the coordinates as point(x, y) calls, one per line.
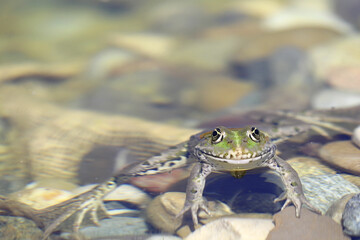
point(70, 214)
point(194, 207)
point(66, 216)
point(298, 200)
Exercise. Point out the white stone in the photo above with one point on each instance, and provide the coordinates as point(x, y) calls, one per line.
point(232, 228)
point(356, 136)
point(163, 237)
point(326, 99)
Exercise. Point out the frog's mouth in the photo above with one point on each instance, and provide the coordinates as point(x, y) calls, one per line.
point(236, 158)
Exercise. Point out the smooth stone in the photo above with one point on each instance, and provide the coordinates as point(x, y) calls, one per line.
point(205, 54)
point(345, 78)
point(159, 183)
point(295, 17)
point(309, 226)
point(265, 44)
point(341, 52)
point(336, 210)
point(200, 95)
point(116, 226)
point(351, 216)
point(40, 197)
point(151, 45)
point(342, 154)
point(332, 98)
point(232, 228)
point(252, 8)
point(162, 211)
point(129, 193)
point(323, 190)
point(356, 136)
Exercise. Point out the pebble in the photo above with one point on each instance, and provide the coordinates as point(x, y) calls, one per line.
point(205, 54)
point(232, 228)
point(356, 137)
point(160, 183)
point(292, 18)
point(264, 44)
point(338, 53)
point(116, 226)
point(151, 45)
point(162, 211)
point(345, 78)
point(129, 193)
point(40, 197)
point(309, 226)
point(342, 154)
point(351, 216)
point(332, 98)
point(336, 210)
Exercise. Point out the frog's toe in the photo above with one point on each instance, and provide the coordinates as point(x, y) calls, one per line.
point(280, 198)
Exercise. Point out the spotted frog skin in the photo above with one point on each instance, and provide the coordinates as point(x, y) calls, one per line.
point(233, 150)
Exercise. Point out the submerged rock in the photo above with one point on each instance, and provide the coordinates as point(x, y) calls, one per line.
point(351, 216)
point(342, 154)
point(336, 210)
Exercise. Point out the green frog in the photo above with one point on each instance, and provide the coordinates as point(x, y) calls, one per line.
point(233, 150)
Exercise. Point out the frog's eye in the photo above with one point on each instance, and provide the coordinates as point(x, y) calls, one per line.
point(254, 134)
point(217, 135)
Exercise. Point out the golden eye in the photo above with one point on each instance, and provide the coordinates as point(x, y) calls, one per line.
point(254, 134)
point(217, 136)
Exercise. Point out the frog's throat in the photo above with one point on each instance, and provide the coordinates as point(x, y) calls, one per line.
point(267, 153)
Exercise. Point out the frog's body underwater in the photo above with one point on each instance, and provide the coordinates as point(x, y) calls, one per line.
point(222, 149)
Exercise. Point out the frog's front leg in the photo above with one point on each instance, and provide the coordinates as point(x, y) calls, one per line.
point(194, 191)
point(293, 188)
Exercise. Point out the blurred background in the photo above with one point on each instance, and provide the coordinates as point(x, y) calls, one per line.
point(87, 87)
point(183, 62)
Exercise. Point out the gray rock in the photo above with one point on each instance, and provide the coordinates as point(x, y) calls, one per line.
point(351, 216)
point(337, 208)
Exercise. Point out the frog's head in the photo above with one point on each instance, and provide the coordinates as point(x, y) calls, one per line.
point(239, 148)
